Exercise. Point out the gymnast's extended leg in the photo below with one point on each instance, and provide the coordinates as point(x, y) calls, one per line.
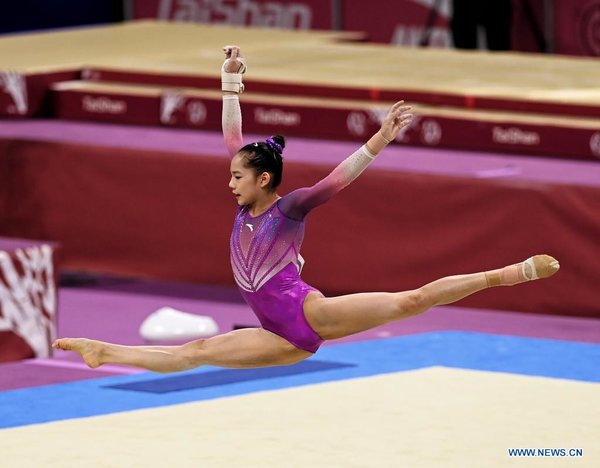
point(336, 317)
point(246, 348)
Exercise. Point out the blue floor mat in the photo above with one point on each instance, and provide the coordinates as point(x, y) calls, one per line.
point(466, 350)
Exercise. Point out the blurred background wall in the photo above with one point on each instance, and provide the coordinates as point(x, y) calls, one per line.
point(569, 27)
point(31, 15)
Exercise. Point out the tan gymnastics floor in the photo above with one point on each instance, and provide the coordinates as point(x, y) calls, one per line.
point(308, 57)
point(433, 417)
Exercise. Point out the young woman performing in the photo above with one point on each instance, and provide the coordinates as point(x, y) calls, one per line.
point(265, 244)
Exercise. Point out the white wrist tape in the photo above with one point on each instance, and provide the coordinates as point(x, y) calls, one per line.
point(232, 81)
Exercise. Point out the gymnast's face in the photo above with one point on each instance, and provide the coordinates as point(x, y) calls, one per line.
point(245, 184)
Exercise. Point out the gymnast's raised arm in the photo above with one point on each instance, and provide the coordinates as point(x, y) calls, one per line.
point(231, 84)
point(299, 202)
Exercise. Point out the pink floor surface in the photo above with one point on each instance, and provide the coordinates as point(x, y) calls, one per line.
point(403, 158)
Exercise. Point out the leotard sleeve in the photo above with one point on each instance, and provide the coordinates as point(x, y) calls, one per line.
point(297, 204)
point(231, 122)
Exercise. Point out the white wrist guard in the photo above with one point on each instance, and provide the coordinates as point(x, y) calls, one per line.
point(232, 81)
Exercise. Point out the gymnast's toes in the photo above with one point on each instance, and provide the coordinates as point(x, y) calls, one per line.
point(540, 266)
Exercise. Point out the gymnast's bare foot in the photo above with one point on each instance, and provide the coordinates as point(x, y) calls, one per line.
point(90, 350)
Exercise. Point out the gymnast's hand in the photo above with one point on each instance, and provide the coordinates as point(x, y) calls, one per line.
point(396, 119)
point(234, 62)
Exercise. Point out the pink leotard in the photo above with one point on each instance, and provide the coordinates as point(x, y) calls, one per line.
point(265, 248)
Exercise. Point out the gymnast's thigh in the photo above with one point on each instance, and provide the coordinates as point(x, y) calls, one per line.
point(337, 317)
point(249, 347)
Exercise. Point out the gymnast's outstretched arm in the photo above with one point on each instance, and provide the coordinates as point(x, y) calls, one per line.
point(298, 203)
point(231, 78)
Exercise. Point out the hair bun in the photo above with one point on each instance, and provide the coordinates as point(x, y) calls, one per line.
point(280, 139)
point(276, 143)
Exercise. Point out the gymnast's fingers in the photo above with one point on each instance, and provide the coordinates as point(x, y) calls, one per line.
point(396, 106)
point(230, 50)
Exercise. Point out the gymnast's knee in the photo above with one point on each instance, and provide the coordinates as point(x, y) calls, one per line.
point(191, 355)
point(413, 302)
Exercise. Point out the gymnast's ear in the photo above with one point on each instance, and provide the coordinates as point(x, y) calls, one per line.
point(264, 179)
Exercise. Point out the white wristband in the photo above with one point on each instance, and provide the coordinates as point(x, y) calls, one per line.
point(232, 82)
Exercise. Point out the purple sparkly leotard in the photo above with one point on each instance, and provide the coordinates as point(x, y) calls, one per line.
point(265, 248)
point(264, 255)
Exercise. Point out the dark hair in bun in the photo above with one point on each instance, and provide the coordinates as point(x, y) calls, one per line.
point(266, 156)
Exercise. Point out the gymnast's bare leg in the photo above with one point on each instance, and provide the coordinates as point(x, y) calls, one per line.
point(246, 348)
point(331, 318)
point(336, 317)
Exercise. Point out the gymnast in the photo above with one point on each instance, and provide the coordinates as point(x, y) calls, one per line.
point(265, 244)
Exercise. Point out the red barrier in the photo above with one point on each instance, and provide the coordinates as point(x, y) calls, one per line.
point(290, 14)
point(573, 23)
point(570, 27)
point(354, 121)
point(576, 27)
point(403, 23)
point(169, 216)
point(373, 94)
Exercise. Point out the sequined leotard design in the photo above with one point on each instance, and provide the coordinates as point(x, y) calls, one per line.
point(264, 253)
point(265, 248)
